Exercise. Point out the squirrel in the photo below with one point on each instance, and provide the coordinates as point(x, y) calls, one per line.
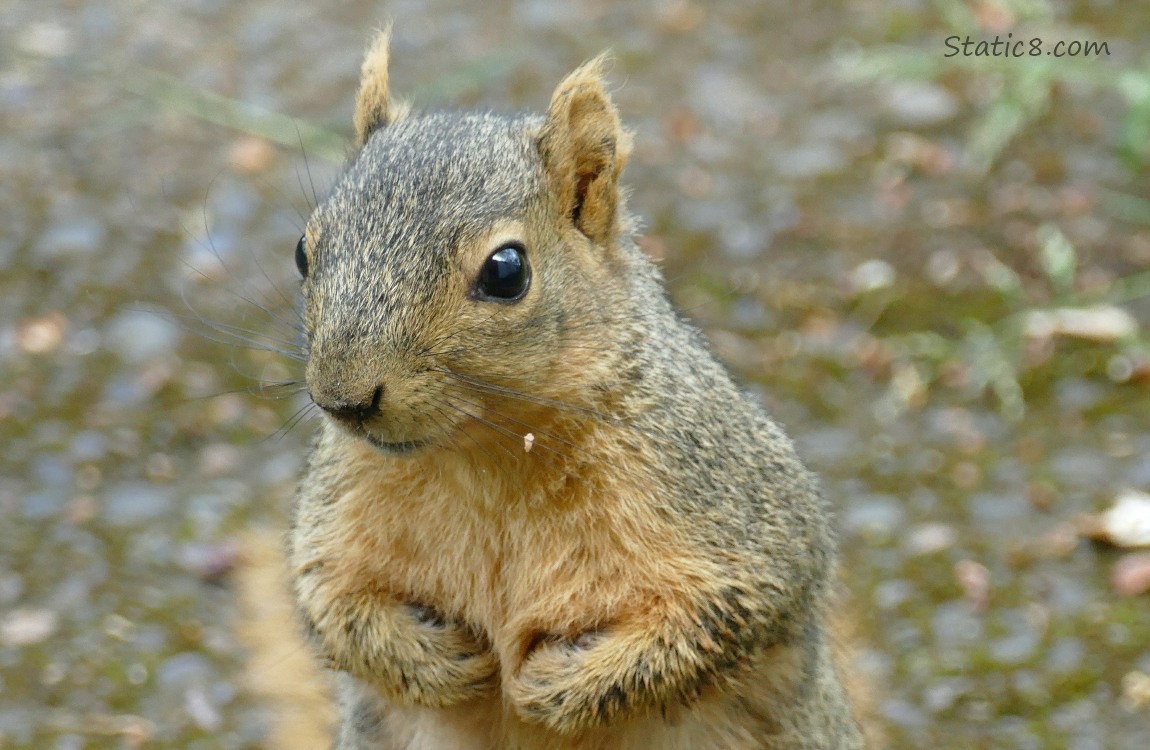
point(538, 512)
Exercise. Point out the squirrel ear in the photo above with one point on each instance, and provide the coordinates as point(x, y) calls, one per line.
point(584, 149)
point(373, 105)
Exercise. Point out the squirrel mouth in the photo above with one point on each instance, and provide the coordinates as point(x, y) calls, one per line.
point(406, 446)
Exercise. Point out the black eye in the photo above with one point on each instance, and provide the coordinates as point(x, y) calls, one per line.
point(505, 275)
point(301, 256)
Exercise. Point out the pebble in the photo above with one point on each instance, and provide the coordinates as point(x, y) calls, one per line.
point(204, 714)
point(920, 104)
point(811, 160)
point(138, 336)
point(904, 713)
point(251, 154)
point(210, 562)
point(133, 503)
point(875, 514)
point(75, 236)
point(41, 335)
point(1016, 648)
point(1130, 576)
point(183, 670)
point(1065, 655)
point(872, 275)
point(45, 503)
point(974, 580)
point(953, 624)
point(45, 39)
point(929, 538)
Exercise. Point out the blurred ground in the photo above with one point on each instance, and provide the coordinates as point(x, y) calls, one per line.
point(865, 228)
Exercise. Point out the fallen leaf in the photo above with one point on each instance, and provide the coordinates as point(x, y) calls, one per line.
point(1103, 323)
point(24, 627)
point(1136, 690)
point(1124, 524)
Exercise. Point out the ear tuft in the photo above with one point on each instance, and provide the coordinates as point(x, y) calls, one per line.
point(584, 149)
point(373, 105)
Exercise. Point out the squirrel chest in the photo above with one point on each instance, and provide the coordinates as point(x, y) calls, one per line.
point(554, 550)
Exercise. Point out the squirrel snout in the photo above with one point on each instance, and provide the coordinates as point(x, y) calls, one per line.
point(345, 384)
point(349, 409)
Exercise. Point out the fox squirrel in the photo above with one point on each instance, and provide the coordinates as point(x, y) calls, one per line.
point(539, 514)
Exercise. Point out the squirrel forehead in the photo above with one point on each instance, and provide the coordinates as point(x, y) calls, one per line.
point(443, 170)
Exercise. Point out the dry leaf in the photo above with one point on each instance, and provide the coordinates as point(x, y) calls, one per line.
point(1124, 524)
point(1103, 323)
point(1136, 690)
point(24, 627)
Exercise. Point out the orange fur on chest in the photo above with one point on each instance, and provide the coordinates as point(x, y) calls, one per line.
point(522, 552)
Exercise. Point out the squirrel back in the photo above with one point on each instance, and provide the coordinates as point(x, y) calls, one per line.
point(539, 513)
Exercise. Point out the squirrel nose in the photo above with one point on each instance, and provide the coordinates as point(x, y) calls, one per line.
point(349, 410)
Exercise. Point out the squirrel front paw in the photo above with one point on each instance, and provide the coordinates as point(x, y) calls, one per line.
point(411, 653)
point(573, 684)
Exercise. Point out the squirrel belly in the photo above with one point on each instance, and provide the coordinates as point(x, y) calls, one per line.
point(649, 569)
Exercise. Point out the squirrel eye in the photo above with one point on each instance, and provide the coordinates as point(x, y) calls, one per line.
point(505, 275)
point(301, 257)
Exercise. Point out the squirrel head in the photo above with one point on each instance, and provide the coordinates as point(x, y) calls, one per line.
point(469, 272)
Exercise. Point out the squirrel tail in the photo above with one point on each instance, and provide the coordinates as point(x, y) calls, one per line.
point(281, 672)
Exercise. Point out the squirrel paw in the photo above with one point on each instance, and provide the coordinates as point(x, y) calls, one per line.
point(416, 655)
point(573, 684)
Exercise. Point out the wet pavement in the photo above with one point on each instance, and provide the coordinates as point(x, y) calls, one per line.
point(857, 247)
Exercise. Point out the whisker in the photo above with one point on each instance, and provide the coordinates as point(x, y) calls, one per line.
point(527, 397)
point(307, 167)
point(263, 390)
point(487, 423)
point(287, 301)
point(429, 349)
point(292, 421)
point(208, 242)
point(530, 428)
point(470, 437)
point(240, 334)
point(289, 387)
point(291, 325)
